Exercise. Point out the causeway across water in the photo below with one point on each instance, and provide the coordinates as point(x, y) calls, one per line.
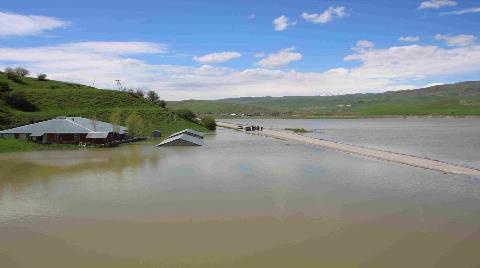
point(364, 151)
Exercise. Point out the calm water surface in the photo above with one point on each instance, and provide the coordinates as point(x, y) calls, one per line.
point(239, 201)
point(455, 140)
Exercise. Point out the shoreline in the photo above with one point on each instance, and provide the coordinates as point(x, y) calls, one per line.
point(405, 159)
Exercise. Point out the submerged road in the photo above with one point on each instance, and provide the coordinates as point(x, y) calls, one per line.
point(364, 151)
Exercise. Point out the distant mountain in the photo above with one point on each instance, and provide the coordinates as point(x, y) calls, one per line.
point(461, 99)
point(30, 100)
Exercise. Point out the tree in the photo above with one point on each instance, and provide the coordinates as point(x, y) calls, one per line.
point(134, 123)
point(115, 119)
point(12, 75)
point(94, 122)
point(209, 122)
point(22, 72)
point(42, 77)
point(186, 114)
point(153, 97)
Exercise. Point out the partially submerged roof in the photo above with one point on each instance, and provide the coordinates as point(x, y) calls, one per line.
point(182, 140)
point(190, 132)
point(64, 125)
point(97, 135)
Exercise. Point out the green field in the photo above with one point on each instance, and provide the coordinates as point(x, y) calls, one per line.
point(462, 99)
point(54, 98)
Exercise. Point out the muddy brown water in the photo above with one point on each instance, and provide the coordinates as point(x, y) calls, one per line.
point(238, 201)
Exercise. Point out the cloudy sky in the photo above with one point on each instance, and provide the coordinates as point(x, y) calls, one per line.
point(216, 49)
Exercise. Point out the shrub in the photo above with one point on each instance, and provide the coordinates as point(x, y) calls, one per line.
point(18, 100)
point(4, 87)
point(209, 122)
point(42, 77)
point(186, 114)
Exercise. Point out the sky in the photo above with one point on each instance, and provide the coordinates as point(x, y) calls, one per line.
point(220, 49)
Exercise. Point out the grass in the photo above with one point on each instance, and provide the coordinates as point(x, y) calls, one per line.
point(14, 145)
point(298, 130)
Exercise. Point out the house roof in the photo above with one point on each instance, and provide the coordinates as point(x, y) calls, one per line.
point(190, 132)
point(182, 139)
point(64, 125)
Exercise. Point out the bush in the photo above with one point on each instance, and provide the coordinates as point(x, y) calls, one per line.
point(18, 100)
point(42, 77)
point(209, 122)
point(4, 87)
point(186, 114)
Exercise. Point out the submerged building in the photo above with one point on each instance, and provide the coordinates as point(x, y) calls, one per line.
point(190, 132)
point(71, 130)
point(186, 137)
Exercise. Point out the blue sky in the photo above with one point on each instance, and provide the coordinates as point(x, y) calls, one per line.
point(216, 49)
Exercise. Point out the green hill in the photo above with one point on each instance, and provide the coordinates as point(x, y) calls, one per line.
point(461, 99)
point(48, 99)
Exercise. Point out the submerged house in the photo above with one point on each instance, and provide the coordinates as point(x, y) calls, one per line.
point(190, 132)
point(186, 137)
point(181, 140)
point(71, 130)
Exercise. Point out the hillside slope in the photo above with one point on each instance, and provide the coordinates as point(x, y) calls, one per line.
point(461, 99)
point(54, 98)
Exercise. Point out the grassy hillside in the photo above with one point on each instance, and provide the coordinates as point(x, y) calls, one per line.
point(460, 99)
point(54, 98)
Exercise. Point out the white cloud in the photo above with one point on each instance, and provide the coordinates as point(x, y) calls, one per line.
point(363, 45)
point(326, 16)
point(409, 38)
point(280, 58)
point(457, 40)
point(404, 63)
point(463, 11)
point(259, 55)
point(281, 23)
point(21, 25)
point(378, 70)
point(436, 4)
point(217, 57)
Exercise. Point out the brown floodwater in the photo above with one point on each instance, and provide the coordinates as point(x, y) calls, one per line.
point(238, 201)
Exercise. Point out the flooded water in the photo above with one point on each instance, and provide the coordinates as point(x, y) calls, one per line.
point(454, 140)
point(238, 201)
